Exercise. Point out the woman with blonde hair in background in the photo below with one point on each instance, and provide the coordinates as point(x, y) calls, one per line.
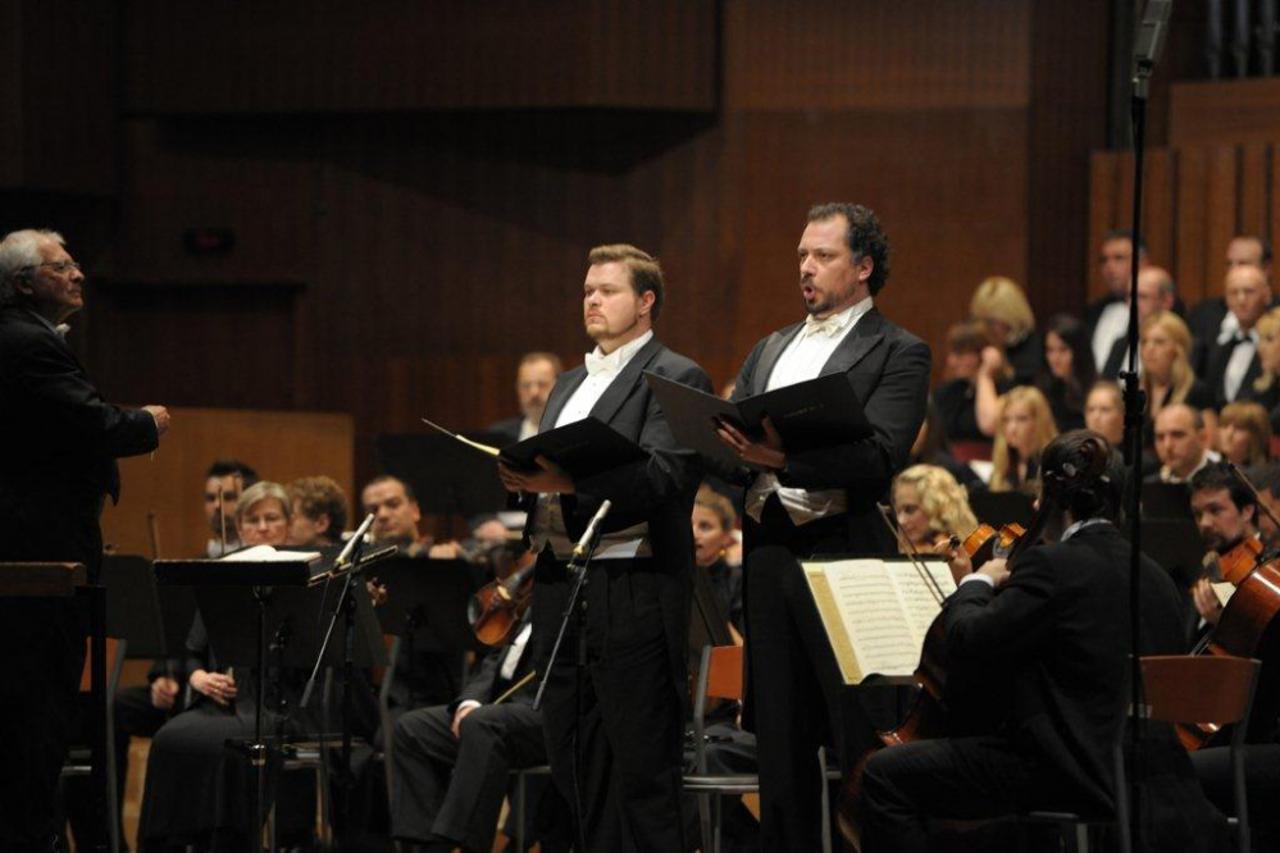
point(1001, 305)
point(1165, 344)
point(931, 506)
point(1026, 428)
point(1244, 433)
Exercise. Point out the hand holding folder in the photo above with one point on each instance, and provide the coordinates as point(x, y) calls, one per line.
point(582, 448)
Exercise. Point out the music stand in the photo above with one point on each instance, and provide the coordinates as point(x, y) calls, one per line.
point(41, 580)
point(448, 477)
point(1166, 500)
point(133, 605)
point(1001, 508)
point(1175, 544)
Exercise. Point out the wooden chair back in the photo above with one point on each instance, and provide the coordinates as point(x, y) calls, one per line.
point(724, 679)
point(1199, 688)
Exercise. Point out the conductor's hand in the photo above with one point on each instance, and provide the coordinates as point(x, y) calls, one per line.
point(461, 714)
point(767, 453)
point(218, 687)
point(997, 569)
point(1206, 600)
point(549, 478)
point(161, 416)
point(163, 693)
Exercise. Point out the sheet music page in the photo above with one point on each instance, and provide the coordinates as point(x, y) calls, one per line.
point(919, 605)
point(871, 612)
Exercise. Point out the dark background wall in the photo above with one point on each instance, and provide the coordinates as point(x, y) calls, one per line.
point(412, 186)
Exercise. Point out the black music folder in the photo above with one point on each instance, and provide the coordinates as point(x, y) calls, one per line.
point(585, 447)
point(447, 476)
point(817, 413)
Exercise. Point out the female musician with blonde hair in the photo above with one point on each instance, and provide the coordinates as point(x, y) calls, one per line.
point(1026, 428)
point(1265, 390)
point(931, 506)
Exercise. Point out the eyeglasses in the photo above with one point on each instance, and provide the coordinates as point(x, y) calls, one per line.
point(60, 267)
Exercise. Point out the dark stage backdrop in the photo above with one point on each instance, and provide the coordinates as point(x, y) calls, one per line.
point(412, 186)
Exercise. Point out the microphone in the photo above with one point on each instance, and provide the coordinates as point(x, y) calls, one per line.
point(584, 544)
point(356, 539)
point(1152, 34)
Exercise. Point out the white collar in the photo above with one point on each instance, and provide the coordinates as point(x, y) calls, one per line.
point(837, 324)
point(1081, 525)
point(597, 362)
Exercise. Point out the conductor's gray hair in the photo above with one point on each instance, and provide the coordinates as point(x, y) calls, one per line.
point(19, 254)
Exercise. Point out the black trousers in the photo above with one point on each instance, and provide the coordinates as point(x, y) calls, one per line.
point(615, 726)
point(42, 650)
point(451, 789)
point(799, 702)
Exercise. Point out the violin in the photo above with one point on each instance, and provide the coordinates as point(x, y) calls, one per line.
point(498, 607)
point(1239, 560)
point(985, 542)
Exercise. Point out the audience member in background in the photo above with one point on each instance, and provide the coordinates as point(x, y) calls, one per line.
point(228, 477)
point(1155, 293)
point(956, 397)
point(1068, 372)
point(1107, 318)
point(1210, 319)
point(1104, 411)
point(931, 507)
point(1180, 444)
point(197, 791)
point(396, 517)
point(1167, 377)
point(1244, 434)
point(319, 508)
point(931, 448)
point(1232, 360)
point(1002, 306)
point(714, 520)
point(1265, 390)
point(1026, 427)
point(534, 377)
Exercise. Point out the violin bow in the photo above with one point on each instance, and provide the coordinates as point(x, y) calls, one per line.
point(935, 588)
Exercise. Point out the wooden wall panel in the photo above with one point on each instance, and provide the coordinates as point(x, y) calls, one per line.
point(281, 446)
point(1225, 111)
point(391, 55)
point(11, 94)
point(1254, 165)
point(836, 54)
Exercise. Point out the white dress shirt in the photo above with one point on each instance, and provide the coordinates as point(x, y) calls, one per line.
point(801, 361)
point(549, 528)
point(528, 429)
point(1112, 323)
point(1238, 364)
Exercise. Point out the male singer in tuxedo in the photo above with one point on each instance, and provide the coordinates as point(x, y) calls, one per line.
point(626, 791)
point(59, 441)
point(1232, 360)
point(812, 501)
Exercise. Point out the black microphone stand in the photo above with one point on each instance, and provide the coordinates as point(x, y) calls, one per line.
point(1146, 49)
point(575, 610)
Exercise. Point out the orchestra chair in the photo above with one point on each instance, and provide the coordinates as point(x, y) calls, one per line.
point(79, 761)
point(720, 676)
point(1214, 689)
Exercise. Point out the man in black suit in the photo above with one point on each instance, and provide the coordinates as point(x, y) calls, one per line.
point(59, 441)
point(1232, 359)
point(1208, 320)
point(619, 720)
point(1156, 292)
point(1057, 630)
point(815, 501)
point(452, 761)
point(534, 379)
point(1107, 316)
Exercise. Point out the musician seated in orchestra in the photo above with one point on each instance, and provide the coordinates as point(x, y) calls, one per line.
point(1052, 624)
point(1265, 388)
point(1226, 513)
point(714, 519)
point(396, 519)
point(319, 511)
point(534, 379)
point(931, 507)
point(452, 763)
point(1026, 427)
point(1243, 436)
point(223, 483)
point(1180, 444)
point(198, 792)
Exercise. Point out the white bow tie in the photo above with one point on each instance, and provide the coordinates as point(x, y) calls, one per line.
point(830, 326)
point(596, 363)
